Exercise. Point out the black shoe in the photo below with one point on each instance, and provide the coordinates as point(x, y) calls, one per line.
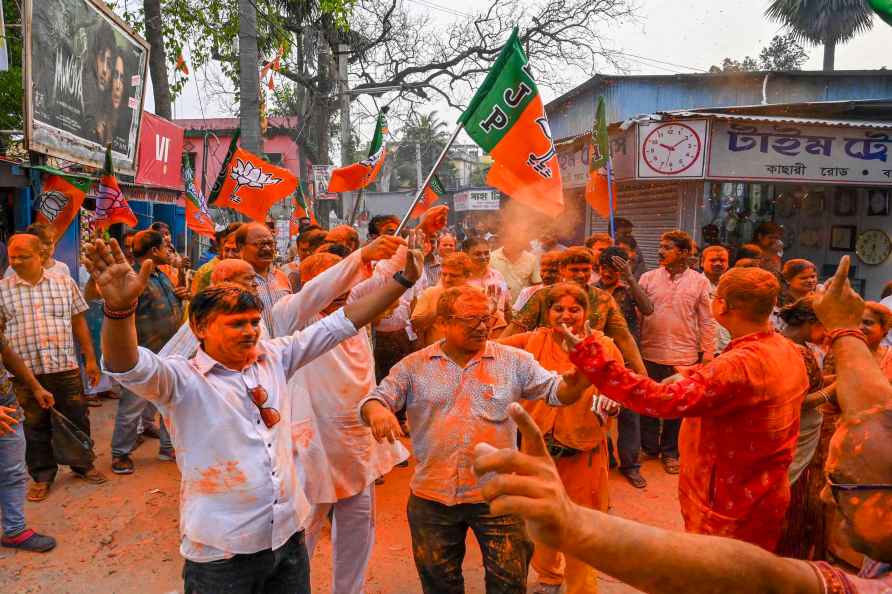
point(30, 541)
point(634, 477)
point(151, 431)
point(122, 465)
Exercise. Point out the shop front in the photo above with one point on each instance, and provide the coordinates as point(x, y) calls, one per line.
point(718, 174)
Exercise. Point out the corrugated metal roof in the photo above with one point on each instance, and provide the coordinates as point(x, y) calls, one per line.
point(885, 125)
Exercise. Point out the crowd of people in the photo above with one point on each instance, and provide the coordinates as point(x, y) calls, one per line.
point(286, 386)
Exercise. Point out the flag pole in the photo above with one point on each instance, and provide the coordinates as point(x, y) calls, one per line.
point(610, 197)
point(356, 206)
point(427, 180)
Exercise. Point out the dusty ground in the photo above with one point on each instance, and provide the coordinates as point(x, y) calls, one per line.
point(121, 537)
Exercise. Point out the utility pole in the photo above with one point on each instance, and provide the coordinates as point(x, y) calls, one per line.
point(419, 175)
point(346, 127)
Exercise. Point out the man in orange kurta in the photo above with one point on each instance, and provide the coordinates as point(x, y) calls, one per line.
point(579, 440)
point(741, 414)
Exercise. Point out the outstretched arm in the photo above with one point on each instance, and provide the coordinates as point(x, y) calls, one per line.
point(860, 383)
point(368, 307)
point(650, 559)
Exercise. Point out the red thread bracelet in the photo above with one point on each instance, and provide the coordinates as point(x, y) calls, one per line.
point(835, 335)
point(122, 314)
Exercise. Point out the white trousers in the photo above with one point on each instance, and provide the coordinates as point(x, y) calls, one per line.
point(352, 538)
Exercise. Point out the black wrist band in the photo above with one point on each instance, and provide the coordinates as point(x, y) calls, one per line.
point(401, 279)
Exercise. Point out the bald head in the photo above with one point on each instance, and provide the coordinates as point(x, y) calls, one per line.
point(25, 257)
point(234, 271)
point(25, 241)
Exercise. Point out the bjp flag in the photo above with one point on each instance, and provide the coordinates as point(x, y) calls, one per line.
point(433, 192)
point(251, 185)
point(506, 118)
point(111, 206)
point(60, 200)
point(301, 210)
point(360, 175)
point(597, 189)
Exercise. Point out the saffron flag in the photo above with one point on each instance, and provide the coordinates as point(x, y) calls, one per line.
point(302, 210)
point(221, 177)
point(597, 191)
point(359, 175)
point(181, 64)
point(197, 216)
point(60, 200)
point(252, 185)
point(111, 206)
point(507, 119)
point(432, 193)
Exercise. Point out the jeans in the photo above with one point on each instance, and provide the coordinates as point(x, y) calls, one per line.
point(654, 441)
point(13, 475)
point(68, 391)
point(130, 409)
point(438, 544)
point(285, 570)
point(628, 439)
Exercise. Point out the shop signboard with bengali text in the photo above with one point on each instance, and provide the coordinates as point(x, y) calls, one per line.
point(789, 153)
point(574, 159)
point(476, 200)
point(85, 75)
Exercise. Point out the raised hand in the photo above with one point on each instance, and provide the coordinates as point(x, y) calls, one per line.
point(622, 266)
point(570, 339)
point(838, 305)
point(382, 248)
point(119, 284)
point(433, 220)
point(526, 485)
point(414, 259)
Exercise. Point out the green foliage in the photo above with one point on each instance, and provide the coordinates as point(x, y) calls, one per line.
point(431, 134)
point(822, 21)
point(783, 54)
point(11, 92)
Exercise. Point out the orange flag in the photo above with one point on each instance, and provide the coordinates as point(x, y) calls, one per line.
point(359, 175)
point(111, 206)
point(60, 200)
point(199, 221)
point(251, 185)
point(596, 190)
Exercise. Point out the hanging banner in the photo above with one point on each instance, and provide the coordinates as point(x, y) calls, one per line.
point(321, 177)
point(85, 73)
point(160, 153)
point(782, 152)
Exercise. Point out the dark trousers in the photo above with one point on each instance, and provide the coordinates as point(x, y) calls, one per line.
point(390, 348)
point(438, 544)
point(285, 570)
point(68, 391)
point(628, 439)
point(659, 437)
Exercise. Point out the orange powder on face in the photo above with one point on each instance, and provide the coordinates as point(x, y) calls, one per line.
point(872, 520)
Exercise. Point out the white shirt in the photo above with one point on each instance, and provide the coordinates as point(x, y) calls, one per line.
point(240, 492)
point(59, 267)
point(888, 303)
point(336, 451)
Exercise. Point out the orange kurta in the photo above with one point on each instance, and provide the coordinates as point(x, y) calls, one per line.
point(737, 441)
point(585, 474)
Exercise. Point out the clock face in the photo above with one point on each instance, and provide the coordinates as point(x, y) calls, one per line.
point(672, 148)
point(873, 246)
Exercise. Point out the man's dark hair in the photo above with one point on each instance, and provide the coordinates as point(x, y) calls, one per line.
point(377, 221)
point(469, 244)
point(307, 229)
point(225, 298)
point(128, 233)
point(799, 312)
point(335, 248)
point(41, 231)
point(145, 241)
point(767, 229)
point(749, 250)
point(160, 226)
point(622, 222)
point(629, 241)
point(221, 235)
point(607, 255)
point(313, 238)
point(887, 290)
point(681, 240)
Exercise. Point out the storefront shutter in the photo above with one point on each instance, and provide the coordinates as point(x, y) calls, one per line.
point(653, 208)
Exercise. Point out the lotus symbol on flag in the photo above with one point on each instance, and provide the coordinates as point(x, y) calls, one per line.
point(109, 200)
point(246, 173)
point(51, 204)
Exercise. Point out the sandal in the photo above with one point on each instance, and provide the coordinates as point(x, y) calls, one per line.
point(38, 491)
point(92, 476)
point(28, 540)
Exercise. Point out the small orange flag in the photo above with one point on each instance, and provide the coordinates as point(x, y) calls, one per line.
point(252, 185)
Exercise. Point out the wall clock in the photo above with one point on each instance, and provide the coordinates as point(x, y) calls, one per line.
point(671, 149)
point(873, 246)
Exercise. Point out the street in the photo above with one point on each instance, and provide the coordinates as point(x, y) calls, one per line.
point(122, 538)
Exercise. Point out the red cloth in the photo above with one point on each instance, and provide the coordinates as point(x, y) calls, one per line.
point(737, 441)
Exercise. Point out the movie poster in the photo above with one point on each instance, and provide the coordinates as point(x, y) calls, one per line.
point(86, 74)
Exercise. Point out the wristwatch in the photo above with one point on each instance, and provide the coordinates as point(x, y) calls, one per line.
point(401, 279)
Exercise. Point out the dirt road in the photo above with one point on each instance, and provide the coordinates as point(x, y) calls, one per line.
point(122, 537)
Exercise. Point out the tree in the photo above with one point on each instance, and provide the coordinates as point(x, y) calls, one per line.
point(392, 47)
point(782, 54)
point(249, 77)
point(430, 135)
point(157, 57)
point(823, 22)
point(11, 92)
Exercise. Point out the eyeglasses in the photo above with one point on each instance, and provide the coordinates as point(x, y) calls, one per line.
point(269, 415)
point(836, 488)
point(268, 243)
point(472, 322)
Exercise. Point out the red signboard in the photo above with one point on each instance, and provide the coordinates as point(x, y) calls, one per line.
point(160, 153)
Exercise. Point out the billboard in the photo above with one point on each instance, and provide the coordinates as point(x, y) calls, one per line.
point(160, 153)
point(85, 73)
point(476, 200)
point(321, 177)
